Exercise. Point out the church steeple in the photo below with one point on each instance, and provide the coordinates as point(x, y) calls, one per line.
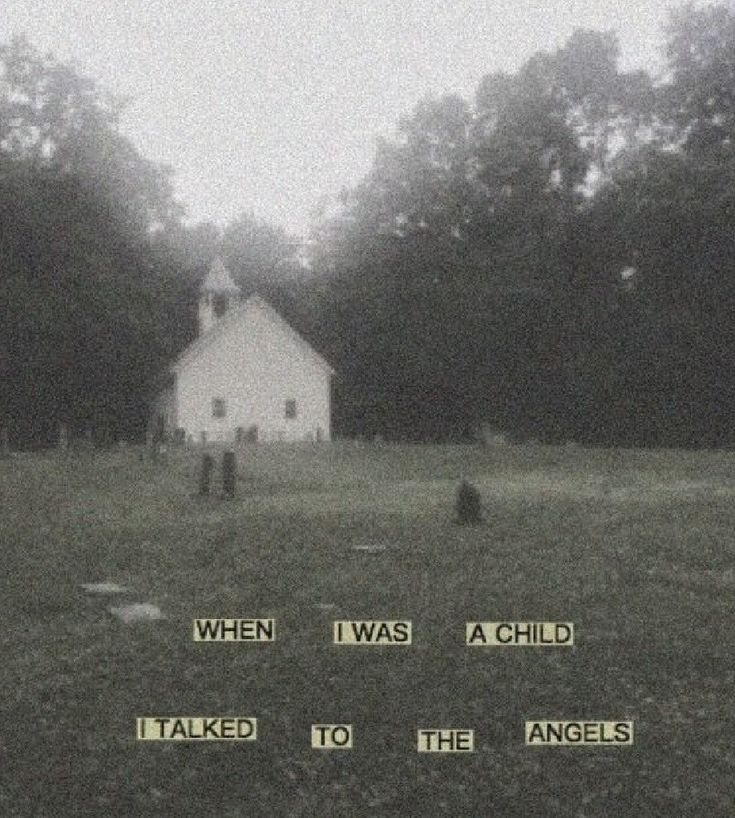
point(216, 295)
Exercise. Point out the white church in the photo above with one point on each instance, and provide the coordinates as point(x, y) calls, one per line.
point(247, 377)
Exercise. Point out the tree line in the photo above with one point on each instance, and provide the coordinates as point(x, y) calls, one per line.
point(553, 258)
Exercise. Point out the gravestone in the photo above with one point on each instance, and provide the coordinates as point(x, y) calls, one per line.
point(370, 547)
point(104, 588)
point(205, 474)
point(4, 442)
point(136, 612)
point(229, 472)
point(468, 504)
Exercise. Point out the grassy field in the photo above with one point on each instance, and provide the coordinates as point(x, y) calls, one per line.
point(636, 548)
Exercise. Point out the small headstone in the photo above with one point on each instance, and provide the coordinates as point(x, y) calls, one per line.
point(205, 474)
point(4, 442)
point(137, 612)
point(229, 470)
point(468, 504)
point(63, 436)
point(370, 547)
point(104, 588)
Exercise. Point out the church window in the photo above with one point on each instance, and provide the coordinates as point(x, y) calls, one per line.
point(219, 409)
point(219, 304)
point(291, 409)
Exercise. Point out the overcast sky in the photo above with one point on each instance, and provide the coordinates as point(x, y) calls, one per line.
point(270, 105)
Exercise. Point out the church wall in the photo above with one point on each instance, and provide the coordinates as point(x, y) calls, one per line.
point(254, 367)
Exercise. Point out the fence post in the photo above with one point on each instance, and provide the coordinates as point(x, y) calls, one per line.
point(229, 470)
point(205, 474)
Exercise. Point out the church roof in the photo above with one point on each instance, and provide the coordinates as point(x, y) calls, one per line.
point(219, 280)
point(232, 317)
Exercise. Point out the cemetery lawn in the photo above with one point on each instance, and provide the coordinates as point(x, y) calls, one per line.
point(636, 548)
